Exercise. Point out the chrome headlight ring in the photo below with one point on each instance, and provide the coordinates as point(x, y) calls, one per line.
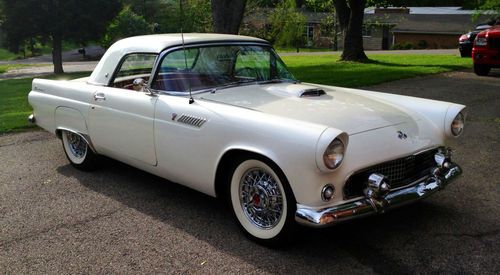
point(334, 154)
point(331, 149)
point(457, 125)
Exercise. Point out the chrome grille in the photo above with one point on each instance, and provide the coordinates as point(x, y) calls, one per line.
point(399, 172)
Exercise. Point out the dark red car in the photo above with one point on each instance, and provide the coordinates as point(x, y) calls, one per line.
point(466, 41)
point(486, 50)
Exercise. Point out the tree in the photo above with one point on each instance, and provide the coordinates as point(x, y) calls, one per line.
point(492, 7)
point(287, 25)
point(227, 15)
point(57, 21)
point(126, 23)
point(196, 15)
point(350, 18)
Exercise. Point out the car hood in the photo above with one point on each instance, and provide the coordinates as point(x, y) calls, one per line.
point(331, 106)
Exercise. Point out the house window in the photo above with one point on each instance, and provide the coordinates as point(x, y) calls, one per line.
point(309, 32)
point(367, 30)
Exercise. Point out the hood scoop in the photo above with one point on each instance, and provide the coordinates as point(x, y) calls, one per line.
point(313, 93)
point(295, 90)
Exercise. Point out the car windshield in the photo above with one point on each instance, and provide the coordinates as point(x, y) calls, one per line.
point(216, 67)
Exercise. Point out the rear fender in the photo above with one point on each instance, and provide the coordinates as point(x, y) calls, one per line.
point(71, 120)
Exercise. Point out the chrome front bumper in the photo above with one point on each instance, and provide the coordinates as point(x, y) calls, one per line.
point(369, 205)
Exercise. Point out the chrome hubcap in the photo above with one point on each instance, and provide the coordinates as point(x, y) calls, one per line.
point(261, 198)
point(77, 145)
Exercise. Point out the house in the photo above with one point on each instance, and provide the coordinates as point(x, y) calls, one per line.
point(384, 28)
point(417, 27)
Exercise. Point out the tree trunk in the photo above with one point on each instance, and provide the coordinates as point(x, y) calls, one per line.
point(350, 18)
point(343, 13)
point(227, 15)
point(57, 53)
point(353, 41)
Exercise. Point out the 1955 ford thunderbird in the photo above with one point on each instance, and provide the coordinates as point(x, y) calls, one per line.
point(222, 114)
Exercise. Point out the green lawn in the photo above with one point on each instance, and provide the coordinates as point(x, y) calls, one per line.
point(5, 67)
point(7, 55)
point(14, 107)
point(326, 69)
point(302, 50)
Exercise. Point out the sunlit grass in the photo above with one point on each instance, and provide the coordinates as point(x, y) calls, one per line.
point(6, 67)
point(14, 106)
point(326, 69)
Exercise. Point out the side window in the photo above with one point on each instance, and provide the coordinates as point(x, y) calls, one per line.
point(137, 65)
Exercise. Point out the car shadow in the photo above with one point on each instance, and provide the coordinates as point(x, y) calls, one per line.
point(208, 219)
point(495, 72)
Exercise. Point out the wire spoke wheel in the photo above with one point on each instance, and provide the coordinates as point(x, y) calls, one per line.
point(78, 152)
point(261, 198)
point(77, 145)
point(262, 204)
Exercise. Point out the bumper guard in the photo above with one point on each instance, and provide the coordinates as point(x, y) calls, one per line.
point(370, 205)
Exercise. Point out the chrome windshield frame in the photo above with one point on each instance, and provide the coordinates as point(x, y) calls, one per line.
point(171, 49)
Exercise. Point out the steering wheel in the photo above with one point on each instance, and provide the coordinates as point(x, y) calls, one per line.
point(129, 87)
point(248, 72)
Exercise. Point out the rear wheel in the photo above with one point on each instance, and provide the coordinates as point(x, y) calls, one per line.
point(78, 151)
point(481, 70)
point(262, 201)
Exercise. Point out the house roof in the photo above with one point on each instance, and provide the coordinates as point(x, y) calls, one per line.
point(428, 20)
point(429, 23)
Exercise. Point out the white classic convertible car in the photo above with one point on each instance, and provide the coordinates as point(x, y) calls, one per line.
point(222, 114)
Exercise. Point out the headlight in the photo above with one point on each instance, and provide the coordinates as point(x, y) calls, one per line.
point(481, 41)
point(334, 154)
point(457, 126)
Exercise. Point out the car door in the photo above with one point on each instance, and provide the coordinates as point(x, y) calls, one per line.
point(121, 116)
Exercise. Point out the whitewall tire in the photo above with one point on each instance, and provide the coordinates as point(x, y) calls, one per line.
point(262, 201)
point(78, 151)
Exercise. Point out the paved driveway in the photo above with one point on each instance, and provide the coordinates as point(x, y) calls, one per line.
point(55, 219)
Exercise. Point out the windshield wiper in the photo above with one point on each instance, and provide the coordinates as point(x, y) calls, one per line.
point(270, 81)
point(233, 84)
point(278, 80)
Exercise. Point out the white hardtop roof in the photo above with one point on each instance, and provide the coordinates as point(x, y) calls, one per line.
point(155, 44)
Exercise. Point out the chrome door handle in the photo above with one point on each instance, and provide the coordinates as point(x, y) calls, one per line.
point(99, 96)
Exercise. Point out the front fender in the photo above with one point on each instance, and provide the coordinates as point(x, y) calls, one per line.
point(439, 113)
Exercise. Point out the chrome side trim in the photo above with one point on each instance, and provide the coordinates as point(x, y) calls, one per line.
point(369, 205)
point(82, 135)
point(192, 120)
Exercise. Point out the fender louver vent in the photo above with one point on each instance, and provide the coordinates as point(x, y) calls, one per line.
point(191, 120)
point(312, 93)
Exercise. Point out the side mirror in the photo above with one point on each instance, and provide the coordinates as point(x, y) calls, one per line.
point(139, 84)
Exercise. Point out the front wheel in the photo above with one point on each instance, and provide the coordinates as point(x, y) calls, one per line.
point(78, 151)
point(262, 201)
point(481, 70)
